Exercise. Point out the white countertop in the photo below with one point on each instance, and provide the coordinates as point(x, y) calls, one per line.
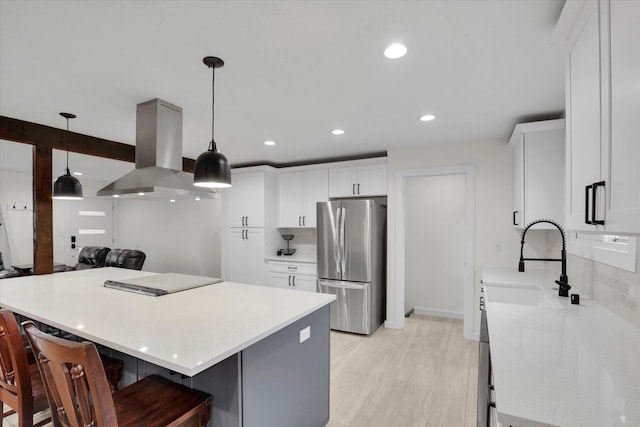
point(186, 332)
point(578, 365)
point(292, 258)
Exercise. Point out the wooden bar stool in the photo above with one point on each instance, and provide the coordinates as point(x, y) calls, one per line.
point(79, 393)
point(21, 385)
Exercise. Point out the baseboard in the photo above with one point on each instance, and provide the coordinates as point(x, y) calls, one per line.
point(390, 324)
point(438, 313)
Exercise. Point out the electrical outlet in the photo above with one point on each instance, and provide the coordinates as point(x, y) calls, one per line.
point(305, 334)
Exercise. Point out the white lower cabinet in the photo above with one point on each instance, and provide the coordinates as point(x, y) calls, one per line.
point(246, 256)
point(292, 275)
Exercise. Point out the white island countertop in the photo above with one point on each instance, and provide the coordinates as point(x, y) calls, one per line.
point(573, 365)
point(186, 331)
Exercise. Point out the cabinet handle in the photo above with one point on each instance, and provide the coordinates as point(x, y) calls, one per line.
point(289, 280)
point(294, 280)
point(246, 221)
point(514, 217)
point(292, 268)
point(304, 218)
point(586, 204)
point(594, 199)
point(358, 188)
point(299, 220)
point(353, 189)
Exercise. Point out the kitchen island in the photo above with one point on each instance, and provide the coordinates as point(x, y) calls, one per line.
point(263, 353)
point(558, 364)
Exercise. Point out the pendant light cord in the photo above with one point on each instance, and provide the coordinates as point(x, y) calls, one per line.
point(212, 144)
point(66, 137)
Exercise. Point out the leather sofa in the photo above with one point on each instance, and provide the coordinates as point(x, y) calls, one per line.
point(91, 257)
point(132, 259)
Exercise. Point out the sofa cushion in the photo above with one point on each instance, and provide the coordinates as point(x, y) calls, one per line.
point(132, 259)
point(91, 257)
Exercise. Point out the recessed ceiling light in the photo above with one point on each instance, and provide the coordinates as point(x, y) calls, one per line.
point(395, 51)
point(116, 195)
point(269, 142)
point(198, 199)
point(78, 173)
point(172, 200)
point(427, 118)
point(140, 194)
point(337, 132)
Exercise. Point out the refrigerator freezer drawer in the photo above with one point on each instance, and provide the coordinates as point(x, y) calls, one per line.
point(352, 309)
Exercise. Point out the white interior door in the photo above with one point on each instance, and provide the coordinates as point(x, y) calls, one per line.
point(88, 222)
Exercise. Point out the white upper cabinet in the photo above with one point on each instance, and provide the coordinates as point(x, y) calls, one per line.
point(299, 193)
point(583, 114)
point(603, 106)
point(622, 134)
point(358, 181)
point(538, 172)
point(247, 196)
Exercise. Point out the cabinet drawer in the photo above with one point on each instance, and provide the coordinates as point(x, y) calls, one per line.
point(292, 267)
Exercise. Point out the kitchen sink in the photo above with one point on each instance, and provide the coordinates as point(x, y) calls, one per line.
point(521, 296)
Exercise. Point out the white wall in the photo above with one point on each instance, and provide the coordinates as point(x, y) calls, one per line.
point(492, 211)
point(435, 245)
point(16, 187)
point(181, 237)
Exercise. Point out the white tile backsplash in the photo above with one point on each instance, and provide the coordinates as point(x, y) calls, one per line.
point(614, 288)
point(304, 241)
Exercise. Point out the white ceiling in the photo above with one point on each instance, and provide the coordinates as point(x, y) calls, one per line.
point(294, 70)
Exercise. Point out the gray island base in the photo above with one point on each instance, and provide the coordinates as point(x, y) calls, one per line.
point(277, 382)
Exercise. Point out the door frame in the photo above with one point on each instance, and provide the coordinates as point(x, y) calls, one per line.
point(400, 180)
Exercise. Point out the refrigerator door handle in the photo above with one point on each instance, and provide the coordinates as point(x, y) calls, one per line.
point(343, 257)
point(338, 252)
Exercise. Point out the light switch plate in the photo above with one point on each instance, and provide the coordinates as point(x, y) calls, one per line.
point(305, 334)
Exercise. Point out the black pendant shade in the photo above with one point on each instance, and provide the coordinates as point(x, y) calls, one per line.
point(212, 168)
point(67, 187)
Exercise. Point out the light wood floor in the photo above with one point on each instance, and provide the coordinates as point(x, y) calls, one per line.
point(423, 375)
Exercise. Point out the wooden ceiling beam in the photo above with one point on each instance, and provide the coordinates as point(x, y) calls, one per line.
point(47, 137)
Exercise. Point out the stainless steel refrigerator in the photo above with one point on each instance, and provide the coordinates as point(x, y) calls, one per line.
point(352, 262)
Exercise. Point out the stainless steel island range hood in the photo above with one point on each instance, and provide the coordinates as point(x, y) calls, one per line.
point(158, 173)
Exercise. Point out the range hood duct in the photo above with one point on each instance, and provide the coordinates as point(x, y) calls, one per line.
point(158, 173)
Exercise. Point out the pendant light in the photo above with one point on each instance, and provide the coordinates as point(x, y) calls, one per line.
point(67, 187)
point(212, 168)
